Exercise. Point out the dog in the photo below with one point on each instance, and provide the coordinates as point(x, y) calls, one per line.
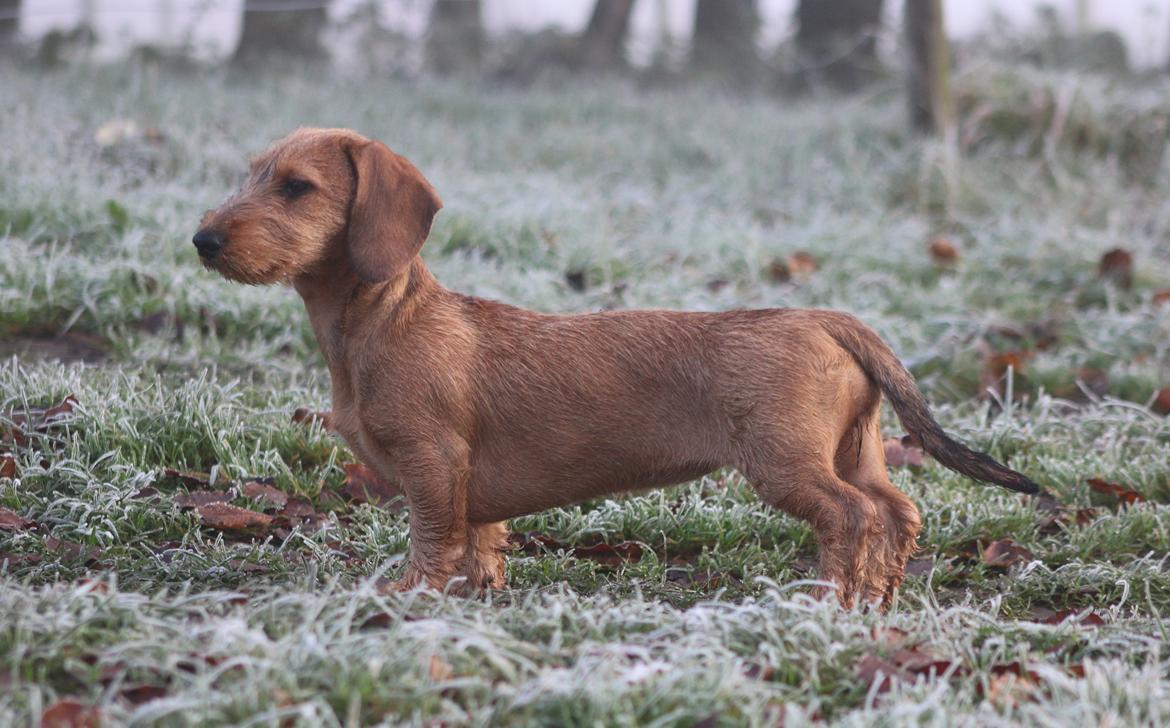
point(482, 411)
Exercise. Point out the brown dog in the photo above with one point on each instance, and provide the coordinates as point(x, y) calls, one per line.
point(482, 411)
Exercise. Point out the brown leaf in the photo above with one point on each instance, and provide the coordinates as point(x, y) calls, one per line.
point(870, 667)
point(1095, 380)
point(70, 713)
point(943, 251)
point(438, 669)
point(139, 694)
point(801, 265)
point(72, 550)
point(261, 491)
point(1116, 267)
point(1161, 403)
point(610, 555)
point(25, 422)
point(1126, 495)
point(919, 567)
point(900, 454)
point(778, 271)
point(306, 416)
point(197, 498)
point(1161, 296)
point(1008, 689)
point(7, 466)
point(10, 521)
point(363, 485)
point(715, 285)
point(297, 508)
point(1086, 619)
point(191, 480)
point(1005, 553)
point(226, 517)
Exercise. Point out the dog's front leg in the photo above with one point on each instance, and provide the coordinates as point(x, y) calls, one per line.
point(434, 479)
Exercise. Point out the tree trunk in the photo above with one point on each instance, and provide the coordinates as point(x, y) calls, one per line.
point(602, 44)
point(724, 38)
point(455, 38)
point(284, 29)
point(9, 24)
point(931, 104)
point(837, 41)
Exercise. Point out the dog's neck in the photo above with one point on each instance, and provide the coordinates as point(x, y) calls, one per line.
point(335, 297)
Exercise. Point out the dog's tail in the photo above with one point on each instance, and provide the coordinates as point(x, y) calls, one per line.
point(878, 360)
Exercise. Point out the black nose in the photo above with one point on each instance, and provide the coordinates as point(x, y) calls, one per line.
point(208, 243)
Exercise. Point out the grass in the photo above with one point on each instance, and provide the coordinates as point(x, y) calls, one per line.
point(123, 601)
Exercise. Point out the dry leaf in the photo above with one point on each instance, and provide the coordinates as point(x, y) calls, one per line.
point(25, 422)
point(1005, 553)
point(1085, 619)
point(226, 517)
point(306, 416)
point(363, 485)
point(70, 713)
point(942, 251)
point(10, 521)
point(1161, 403)
point(191, 480)
point(610, 555)
point(1161, 296)
point(438, 669)
point(902, 454)
point(7, 466)
point(261, 491)
point(139, 694)
point(801, 265)
point(1126, 495)
point(1116, 267)
point(197, 498)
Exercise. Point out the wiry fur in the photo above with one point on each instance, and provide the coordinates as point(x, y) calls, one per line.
point(483, 411)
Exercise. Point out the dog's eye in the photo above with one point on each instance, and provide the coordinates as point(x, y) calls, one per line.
point(295, 188)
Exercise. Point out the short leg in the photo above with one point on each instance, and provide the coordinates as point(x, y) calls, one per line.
point(864, 467)
point(434, 483)
point(483, 560)
point(843, 518)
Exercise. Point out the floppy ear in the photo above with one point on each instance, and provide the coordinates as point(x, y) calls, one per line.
point(391, 213)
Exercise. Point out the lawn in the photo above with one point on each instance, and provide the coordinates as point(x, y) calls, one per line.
point(127, 593)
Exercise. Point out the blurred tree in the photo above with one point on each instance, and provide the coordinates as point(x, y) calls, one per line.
point(837, 41)
point(724, 38)
point(602, 45)
point(931, 104)
point(282, 29)
point(9, 24)
point(455, 38)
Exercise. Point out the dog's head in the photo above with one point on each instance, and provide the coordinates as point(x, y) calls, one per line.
point(319, 195)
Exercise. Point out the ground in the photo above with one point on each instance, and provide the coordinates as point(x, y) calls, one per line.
point(121, 596)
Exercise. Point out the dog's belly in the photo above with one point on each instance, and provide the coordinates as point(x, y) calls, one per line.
point(498, 492)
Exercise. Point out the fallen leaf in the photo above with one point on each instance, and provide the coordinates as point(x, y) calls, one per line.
point(438, 669)
point(10, 521)
point(72, 550)
point(1005, 553)
point(756, 671)
point(801, 265)
point(306, 416)
point(261, 491)
point(901, 454)
point(147, 492)
point(197, 498)
point(576, 280)
point(610, 555)
point(1009, 690)
point(139, 694)
point(871, 667)
point(715, 285)
point(226, 517)
point(1095, 380)
point(1161, 403)
point(26, 422)
point(363, 485)
point(1126, 495)
point(1161, 296)
point(191, 480)
point(297, 508)
point(1076, 616)
point(919, 567)
point(1116, 267)
point(942, 251)
point(7, 466)
point(70, 713)
point(778, 271)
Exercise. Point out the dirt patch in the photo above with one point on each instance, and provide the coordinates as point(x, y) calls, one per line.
point(68, 347)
